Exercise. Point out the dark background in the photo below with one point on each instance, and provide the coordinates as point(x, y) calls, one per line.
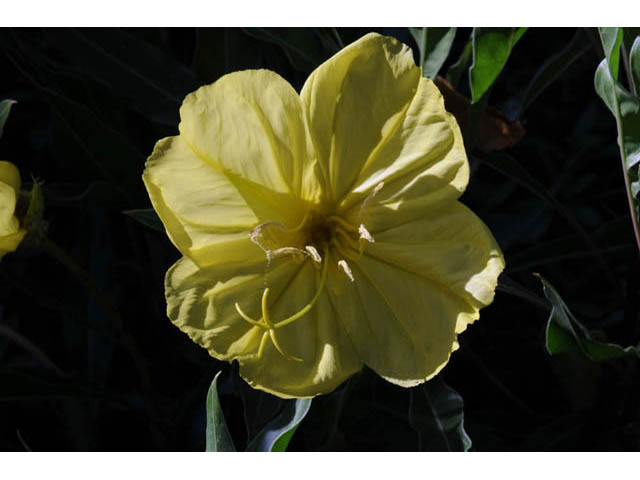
point(92, 103)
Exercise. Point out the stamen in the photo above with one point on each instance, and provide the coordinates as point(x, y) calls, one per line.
point(345, 267)
point(364, 234)
point(314, 253)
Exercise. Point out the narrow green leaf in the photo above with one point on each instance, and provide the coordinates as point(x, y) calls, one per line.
point(625, 107)
point(147, 217)
point(5, 108)
point(275, 436)
point(565, 334)
point(455, 71)
point(436, 413)
point(434, 44)
point(611, 38)
point(553, 68)
point(634, 63)
point(491, 49)
point(218, 438)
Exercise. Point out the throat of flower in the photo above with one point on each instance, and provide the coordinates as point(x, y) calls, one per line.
point(269, 327)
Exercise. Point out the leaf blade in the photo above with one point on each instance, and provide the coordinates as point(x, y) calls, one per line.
point(434, 44)
point(491, 48)
point(565, 334)
point(218, 438)
point(275, 436)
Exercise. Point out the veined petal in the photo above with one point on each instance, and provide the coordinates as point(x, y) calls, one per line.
point(327, 353)
point(354, 101)
point(401, 325)
point(205, 214)
point(251, 124)
point(201, 303)
point(452, 249)
point(421, 163)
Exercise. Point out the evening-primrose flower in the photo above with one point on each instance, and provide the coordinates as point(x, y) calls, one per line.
point(11, 232)
point(322, 231)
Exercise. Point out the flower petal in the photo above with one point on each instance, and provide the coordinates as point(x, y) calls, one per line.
point(422, 162)
point(201, 303)
point(9, 190)
point(204, 213)
point(415, 289)
point(250, 124)
point(10, 175)
point(451, 247)
point(354, 101)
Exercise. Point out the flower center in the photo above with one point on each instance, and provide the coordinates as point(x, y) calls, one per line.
point(316, 232)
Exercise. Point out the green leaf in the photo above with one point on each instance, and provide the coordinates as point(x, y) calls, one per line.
point(147, 217)
point(275, 436)
point(491, 49)
point(434, 45)
point(553, 68)
point(455, 71)
point(218, 438)
point(436, 413)
point(634, 63)
point(5, 108)
point(565, 334)
point(611, 38)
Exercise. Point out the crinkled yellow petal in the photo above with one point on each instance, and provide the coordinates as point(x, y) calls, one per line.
point(415, 289)
point(421, 163)
point(205, 214)
point(201, 303)
point(354, 101)
point(251, 125)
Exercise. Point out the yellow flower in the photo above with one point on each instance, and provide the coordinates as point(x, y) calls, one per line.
point(11, 233)
point(321, 231)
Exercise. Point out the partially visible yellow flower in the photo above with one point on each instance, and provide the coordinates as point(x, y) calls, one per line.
point(11, 232)
point(321, 231)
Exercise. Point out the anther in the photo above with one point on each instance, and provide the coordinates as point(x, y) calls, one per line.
point(345, 267)
point(364, 234)
point(313, 252)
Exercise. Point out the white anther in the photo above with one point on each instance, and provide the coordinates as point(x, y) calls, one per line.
point(364, 234)
point(345, 267)
point(313, 253)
